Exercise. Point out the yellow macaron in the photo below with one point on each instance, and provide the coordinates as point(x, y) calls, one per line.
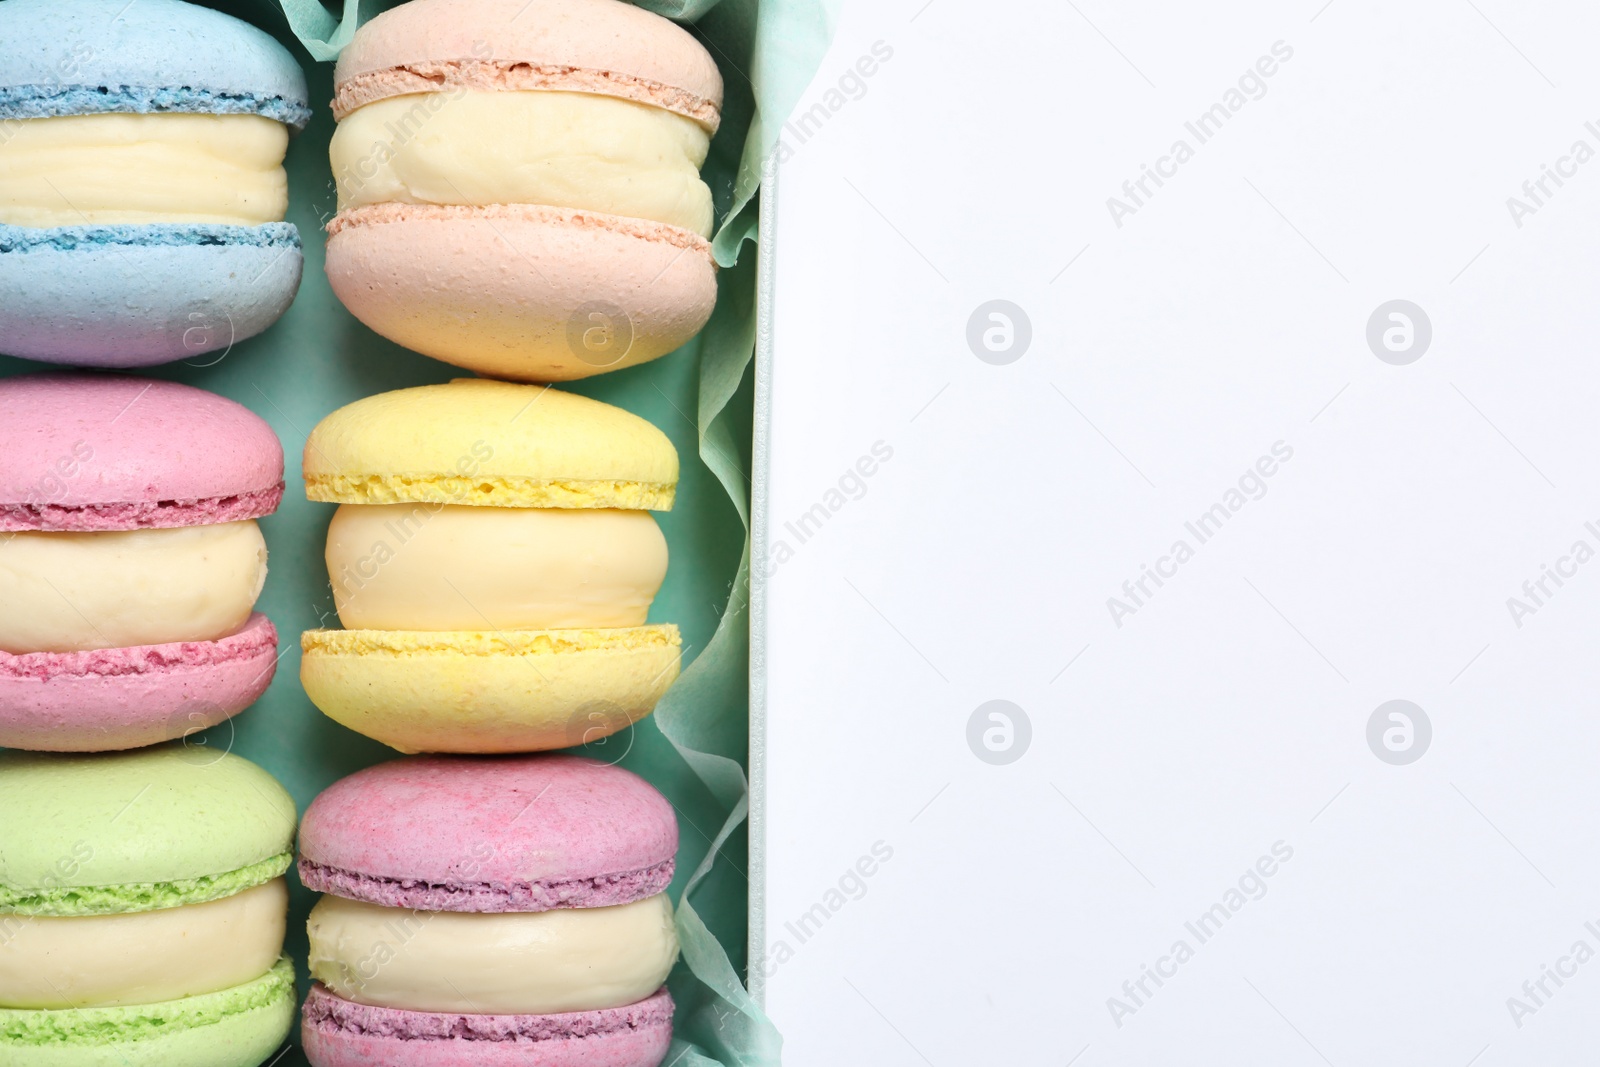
point(493, 562)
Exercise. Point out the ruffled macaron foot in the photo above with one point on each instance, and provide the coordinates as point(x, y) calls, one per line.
point(489, 692)
point(142, 295)
point(238, 1027)
point(565, 295)
point(340, 1033)
point(117, 698)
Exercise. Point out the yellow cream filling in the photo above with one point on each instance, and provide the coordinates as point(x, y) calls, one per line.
point(117, 168)
point(503, 963)
point(454, 567)
point(70, 592)
point(141, 957)
point(567, 150)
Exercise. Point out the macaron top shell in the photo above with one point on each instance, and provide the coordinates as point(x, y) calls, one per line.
point(76, 57)
point(490, 834)
point(137, 831)
point(597, 46)
point(106, 452)
point(487, 443)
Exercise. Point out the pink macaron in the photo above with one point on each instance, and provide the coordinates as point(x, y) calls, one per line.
point(505, 911)
point(129, 560)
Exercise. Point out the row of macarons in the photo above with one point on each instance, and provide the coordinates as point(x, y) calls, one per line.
point(493, 911)
point(493, 563)
point(518, 186)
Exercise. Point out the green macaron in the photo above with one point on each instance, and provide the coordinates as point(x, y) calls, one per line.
point(142, 909)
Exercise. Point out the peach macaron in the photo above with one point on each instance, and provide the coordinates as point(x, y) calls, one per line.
point(519, 184)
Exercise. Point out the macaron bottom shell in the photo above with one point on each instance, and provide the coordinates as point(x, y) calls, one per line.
point(142, 295)
point(522, 292)
point(489, 692)
point(239, 1027)
point(121, 698)
point(339, 1033)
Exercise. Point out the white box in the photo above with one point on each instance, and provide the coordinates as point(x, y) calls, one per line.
point(1218, 725)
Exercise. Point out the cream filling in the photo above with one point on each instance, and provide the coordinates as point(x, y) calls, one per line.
point(569, 150)
point(457, 567)
point(141, 957)
point(79, 170)
point(514, 963)
point(68, 592)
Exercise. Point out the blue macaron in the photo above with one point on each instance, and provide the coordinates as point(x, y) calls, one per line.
point(148, 292)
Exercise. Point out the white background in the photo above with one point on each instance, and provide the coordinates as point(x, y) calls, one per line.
point(1230, 711)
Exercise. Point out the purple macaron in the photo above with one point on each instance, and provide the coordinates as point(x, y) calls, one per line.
point(505, 839)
